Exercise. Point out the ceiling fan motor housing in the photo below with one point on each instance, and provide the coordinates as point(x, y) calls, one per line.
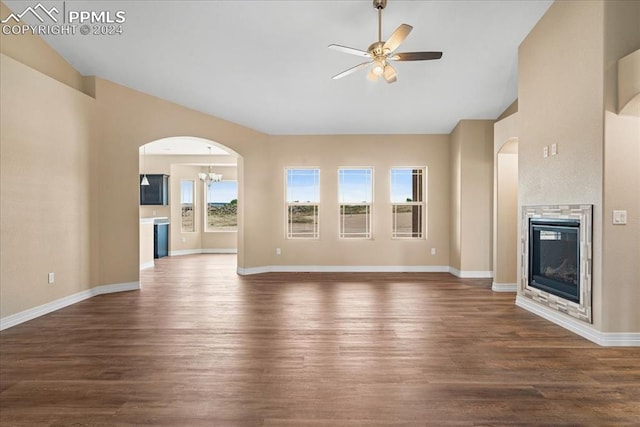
point(376, 49)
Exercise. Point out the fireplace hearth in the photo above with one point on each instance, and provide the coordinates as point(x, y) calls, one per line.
point(556, 261)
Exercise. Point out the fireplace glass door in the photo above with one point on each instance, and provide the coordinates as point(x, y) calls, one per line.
point(554, 248)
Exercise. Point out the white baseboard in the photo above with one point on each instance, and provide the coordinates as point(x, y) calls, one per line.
point(203, 251)
point(469, 274)
point(344, 269)
point(220, 251)
point(504, 287)
point(146, 265)
point(605, 339)
point(41, 310)
point(185, 252)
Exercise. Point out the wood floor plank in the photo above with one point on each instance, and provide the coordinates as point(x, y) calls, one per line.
point(200, 345)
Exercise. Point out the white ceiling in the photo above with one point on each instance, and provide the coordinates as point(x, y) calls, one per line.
point(265, 64)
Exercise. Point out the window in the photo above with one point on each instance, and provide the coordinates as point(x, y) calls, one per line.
point(222, 206)
point(186, 204)
point(303, 203)
point(407, 202)
point(355, 192)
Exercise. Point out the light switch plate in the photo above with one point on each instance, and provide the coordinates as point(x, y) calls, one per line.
point(545, 151)
point(554, 149)
point(619, 217)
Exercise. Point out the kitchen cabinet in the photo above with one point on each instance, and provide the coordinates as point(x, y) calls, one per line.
point(160, 238)
point(157, 192)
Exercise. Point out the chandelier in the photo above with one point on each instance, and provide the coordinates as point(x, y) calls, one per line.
point(211, 176)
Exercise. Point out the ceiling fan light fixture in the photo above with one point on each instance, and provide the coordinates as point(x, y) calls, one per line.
point(371, 76)
point(378, 67)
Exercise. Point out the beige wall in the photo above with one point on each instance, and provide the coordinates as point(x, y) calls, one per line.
point(146, 243)
point(621, 243)
point(560, 97)
point(472, 196)
point(505, 270)
point(567, 95)
point(129, 119)
point(332, 152)
point(629, 84)
point(455, 177)
point(45, 188)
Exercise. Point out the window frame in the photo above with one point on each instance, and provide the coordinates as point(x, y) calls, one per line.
point(315, 235)
point(206, 208)
point(369, 206)
point(193, 206)
point(395, 235)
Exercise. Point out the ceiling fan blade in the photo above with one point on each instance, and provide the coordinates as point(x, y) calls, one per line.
point(397, 37)
point(372, 76)
point(350, 70)
point(415, 56)
point(390, 74)
point(349, 50)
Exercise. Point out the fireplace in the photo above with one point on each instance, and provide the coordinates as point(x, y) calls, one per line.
point(556, 257)
point(554, 248)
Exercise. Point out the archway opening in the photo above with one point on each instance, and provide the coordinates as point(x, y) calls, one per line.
point(505, 262)
point(192, 202)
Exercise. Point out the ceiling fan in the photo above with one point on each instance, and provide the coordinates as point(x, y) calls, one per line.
point(381, 52)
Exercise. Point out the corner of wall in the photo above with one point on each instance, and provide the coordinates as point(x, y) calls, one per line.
point(32, 51)
point(511, 109)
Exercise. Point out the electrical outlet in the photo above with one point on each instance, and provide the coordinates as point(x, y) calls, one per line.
point(52, 278)
point(154, 212)
point(184, 240)
point(554, 149)
point(545, 151)
point(433, 251)
point(278, 251)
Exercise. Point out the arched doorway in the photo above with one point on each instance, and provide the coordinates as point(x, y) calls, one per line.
point(505, 236)
point(198, 215)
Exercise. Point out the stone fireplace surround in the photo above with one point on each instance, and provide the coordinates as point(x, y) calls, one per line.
point(583, 214)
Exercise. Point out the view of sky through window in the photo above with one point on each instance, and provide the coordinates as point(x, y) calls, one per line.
point(402, 185)
point(356, 185)
point(222, 192)
point(186, 192)
point(303, 186)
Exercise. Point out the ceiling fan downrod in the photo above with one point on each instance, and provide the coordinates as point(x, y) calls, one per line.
point(379, 5)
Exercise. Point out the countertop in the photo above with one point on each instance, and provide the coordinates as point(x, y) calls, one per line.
point(155, 220)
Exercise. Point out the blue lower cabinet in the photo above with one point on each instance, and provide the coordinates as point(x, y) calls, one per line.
point(160, 240)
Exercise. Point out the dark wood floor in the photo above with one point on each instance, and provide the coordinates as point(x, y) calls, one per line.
point(200, 345)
